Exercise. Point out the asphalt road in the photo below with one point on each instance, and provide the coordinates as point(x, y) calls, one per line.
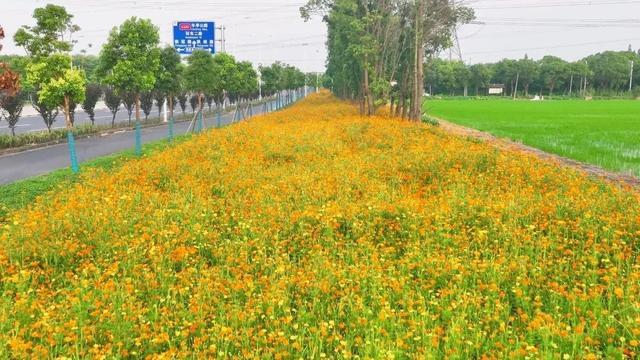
point(34, 123)
point(22, 165)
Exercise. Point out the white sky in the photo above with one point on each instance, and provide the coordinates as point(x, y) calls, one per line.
point(259, 31)
point(266, 31)
point(571, 29)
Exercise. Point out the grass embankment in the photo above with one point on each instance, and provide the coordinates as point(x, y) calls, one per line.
point(24, 192)
point(602, 132)
point(313, 233)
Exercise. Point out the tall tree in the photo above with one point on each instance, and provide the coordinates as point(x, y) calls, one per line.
point(48, 113)
point(51, 34)
point(169, 77)
point(146, 103)
point(130, 60)
point(528, 72)
point(374, 44)
point(11, 108)
point(480, 76)
point(47, 43)
point(59, 84)
point(129, 102)
point(182, 100)
point(199, 76)
point(552, 72)
point(112, 101)
point(224, 69)
point(93, 92)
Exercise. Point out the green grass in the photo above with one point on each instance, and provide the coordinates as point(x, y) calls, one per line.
point(20, 194)
point(604, 132)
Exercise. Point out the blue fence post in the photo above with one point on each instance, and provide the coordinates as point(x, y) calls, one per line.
point(199, 122)
point(138, 139)
point(72, 152)
point(171, 121)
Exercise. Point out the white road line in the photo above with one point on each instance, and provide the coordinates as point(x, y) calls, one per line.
point(19, 125)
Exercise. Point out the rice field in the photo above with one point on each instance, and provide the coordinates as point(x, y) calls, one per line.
point(600, 132)
point(316, 233)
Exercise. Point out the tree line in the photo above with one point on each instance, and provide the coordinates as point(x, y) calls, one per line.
point(376, 48)
point(606, 73)
point(132, 73)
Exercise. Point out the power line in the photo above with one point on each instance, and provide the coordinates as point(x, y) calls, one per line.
point(555, 46)
point(562, 4)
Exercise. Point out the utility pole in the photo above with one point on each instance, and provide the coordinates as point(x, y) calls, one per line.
point(571, 85)
point(515, 92)
point(631, 77)
point(222, 38)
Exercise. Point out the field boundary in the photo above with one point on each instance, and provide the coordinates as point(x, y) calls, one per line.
point(507, 144)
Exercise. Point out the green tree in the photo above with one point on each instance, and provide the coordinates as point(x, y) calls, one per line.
point(199, 76)
point(552, 72)
point(47, 37)
point(183, 98)
point(374, 44)
point(130, 59)
point(48, 113)
point(92, 95)
point(224, 70)
point(462, 76)
point(129, 102)
point(505, 72)
point(528, 72)
point(480, 76)
point(610, 70)
point(45, 43)
point(169, 77)
point(146, 103)
point(245, 84)
point(112, 101)
point(59, 84)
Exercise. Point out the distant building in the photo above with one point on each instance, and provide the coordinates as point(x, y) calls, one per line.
point(495, 89)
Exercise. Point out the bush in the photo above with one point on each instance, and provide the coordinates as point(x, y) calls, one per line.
point(430, 120)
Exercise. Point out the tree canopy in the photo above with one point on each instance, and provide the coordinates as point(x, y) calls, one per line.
point(130, 58)
point(376, 48)
point(51, 34)
point(605, 73)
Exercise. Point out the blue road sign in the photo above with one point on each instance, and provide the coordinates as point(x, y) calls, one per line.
point(192, 35)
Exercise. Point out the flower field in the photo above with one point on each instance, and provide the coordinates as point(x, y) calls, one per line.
point(315, 233)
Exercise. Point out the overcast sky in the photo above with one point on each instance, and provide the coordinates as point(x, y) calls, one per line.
point(266, 31)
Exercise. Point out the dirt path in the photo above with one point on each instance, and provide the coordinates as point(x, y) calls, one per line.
point(618, 178)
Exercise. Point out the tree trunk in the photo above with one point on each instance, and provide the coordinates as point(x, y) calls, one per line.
point(171, 105)
point(404, 107)
point(419, 66)
point(137, 107)
point(113, 120)
point(13, 131)
point(67, 118)
point(392, 100)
